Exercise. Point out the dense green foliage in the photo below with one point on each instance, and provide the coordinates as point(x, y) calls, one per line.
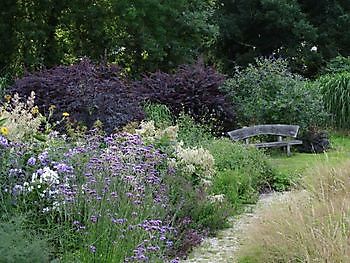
point(18, 244)
point(287, 28)
point(139, 35)
point(338, 64)
point(268, 93)
point(336, 93)
point(242, 173)
point(150, 35)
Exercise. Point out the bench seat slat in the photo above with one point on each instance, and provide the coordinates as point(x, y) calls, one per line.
point(277, 144)
point(272, 129)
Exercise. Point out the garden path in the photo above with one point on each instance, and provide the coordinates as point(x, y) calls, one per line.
point(223, 247)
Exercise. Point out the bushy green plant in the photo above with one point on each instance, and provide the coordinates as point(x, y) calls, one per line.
point(159, 113)
point(336, 96)
point(192, 133)
point(3, 85)
point(193, 209)
point(268, 92)
point(241, 172)
point(17, 244)
point(189, 131)
point(338, 64)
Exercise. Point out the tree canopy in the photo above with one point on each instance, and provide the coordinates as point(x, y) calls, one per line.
point(147, 35)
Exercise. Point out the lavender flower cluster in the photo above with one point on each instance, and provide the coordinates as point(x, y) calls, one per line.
point(104, 186)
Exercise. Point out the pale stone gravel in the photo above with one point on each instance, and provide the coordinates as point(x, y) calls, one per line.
point(223, 247)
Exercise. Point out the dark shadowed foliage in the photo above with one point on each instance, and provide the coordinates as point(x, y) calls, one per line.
point(88, 92)
point(193, 89)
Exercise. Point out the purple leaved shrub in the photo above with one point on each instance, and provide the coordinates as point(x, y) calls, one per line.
point(87, 91)
point(90, 92)
point(193, 89)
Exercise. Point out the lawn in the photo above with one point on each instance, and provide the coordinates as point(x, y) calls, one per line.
point(298, 163)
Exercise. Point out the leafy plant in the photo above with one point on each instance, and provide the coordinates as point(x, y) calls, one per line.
point(88, 92)
point(336, 95)
point(192, 89)
point(158, 113)
point(3, 85)
point(241, 172)
point(18, 244)
point(338, 64)
point(192, 133)
point(268, 93)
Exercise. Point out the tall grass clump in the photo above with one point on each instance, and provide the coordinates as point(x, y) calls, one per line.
point(313, 226)
point(336, 97)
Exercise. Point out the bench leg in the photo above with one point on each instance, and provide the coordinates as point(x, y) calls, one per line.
point(288, 150)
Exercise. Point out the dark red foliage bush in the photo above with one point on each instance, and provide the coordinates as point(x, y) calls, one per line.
point(88, 92)
point(193, 89)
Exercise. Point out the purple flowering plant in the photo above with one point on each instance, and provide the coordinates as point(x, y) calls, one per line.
point(108, 193)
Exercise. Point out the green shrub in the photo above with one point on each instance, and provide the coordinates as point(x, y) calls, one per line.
point(191, 133)
point(336, 95)
point(269, 93)
point(241, 172)
point(158, 113)
point(18, 244)
point(3, 85)
point(338, 64)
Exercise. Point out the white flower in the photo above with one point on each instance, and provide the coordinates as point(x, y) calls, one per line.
point(196, 160)
point(46, 209)
point(217, 198)
point(46, 175)
point(314, 49)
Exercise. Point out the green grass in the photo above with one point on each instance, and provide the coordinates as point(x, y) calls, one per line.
point(298, 163)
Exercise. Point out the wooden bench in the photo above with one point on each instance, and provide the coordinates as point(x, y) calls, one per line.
point(273, 129)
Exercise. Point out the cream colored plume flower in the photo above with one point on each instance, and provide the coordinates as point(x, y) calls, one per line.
point(22, 118)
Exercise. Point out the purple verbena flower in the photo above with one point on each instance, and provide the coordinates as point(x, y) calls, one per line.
point(93, 219)
point(92, 249)
point(44, 158)
point(3, 141)
point(63, 168)
point(31, 161)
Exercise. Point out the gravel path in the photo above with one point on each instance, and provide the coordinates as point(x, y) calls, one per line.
point(222, 248)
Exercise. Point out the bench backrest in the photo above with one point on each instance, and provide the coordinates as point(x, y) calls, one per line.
point(273, 129)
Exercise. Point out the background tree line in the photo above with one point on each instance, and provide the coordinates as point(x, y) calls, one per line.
point(146, 35)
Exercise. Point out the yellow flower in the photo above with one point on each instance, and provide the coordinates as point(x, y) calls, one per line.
point(35, 110)
point(7, 97)
point(4, 130)
point(52, 107)
point(65, 114)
